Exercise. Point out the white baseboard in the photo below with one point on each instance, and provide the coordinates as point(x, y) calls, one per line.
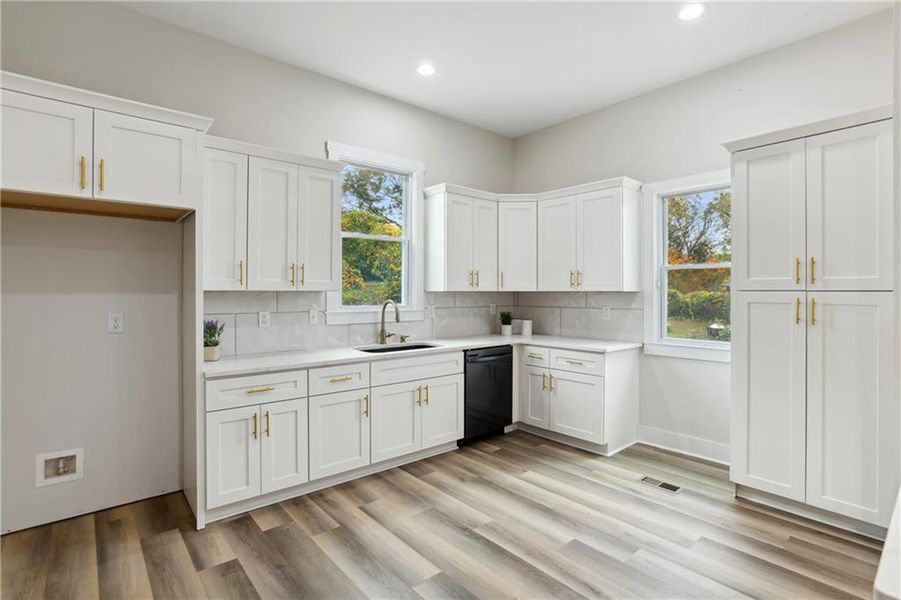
point(684, 444)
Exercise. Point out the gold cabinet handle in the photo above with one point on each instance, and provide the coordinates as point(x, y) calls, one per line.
point(293, 273)
point(575, 362)
point(303, 273)
point(478, 279)
point(427, 397)
point(419, 396)
point(533, 355)
point(550, 383)
point(571, 280)
point(797, 311)
point(84, 163)
point(544, 382)
point(470, 279)
point(268, 388)
point(340, 379)
point(102, 174)
point(240, 272)
point(268, 428)
point(254, 425)
point(502, 279)
point(813, 266)
point(366, 405)
point(813, 311)
point(797, 271)
point(578, 278)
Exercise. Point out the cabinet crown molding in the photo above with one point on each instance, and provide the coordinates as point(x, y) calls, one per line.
point(64, 93)
point(240, 147)
point(593, 186)
point(871, 115)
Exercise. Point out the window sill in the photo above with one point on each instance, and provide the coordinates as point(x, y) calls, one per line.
point(349, 316)
point(689, 352)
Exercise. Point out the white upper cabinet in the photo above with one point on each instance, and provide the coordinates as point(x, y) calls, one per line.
point(769, 218)
point(272, 225)
point(852, 406)
point(607, 251)
point(517, 246)
point(769, 343)
point(461, 243)
point(142, 161)
point(319, 252)
point(849, 209)
point(557, 244)
point(47, 146)
point(225, 220)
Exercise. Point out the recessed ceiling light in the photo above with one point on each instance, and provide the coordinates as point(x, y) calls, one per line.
point(691, 11)
point(426, 69)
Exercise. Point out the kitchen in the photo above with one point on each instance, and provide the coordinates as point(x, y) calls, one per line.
point(553, 211)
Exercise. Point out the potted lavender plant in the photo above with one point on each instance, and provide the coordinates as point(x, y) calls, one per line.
point(212, 330)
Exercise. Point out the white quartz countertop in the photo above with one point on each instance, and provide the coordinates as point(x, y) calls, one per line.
point(283, 361)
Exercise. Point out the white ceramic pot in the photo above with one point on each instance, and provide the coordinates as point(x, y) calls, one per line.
point(527, 327)
point(211, 353)
point(506, 329)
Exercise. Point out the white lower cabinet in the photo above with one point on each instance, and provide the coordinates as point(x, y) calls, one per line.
point(255, 450)
point(535, 396)
point(416, 415)
point(232, 455)
point(339, 432)
point(576, 405)
point(284, 448)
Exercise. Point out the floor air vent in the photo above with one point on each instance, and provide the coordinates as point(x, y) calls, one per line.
point(663, 485)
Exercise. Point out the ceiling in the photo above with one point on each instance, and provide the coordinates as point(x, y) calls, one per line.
point(508, 67)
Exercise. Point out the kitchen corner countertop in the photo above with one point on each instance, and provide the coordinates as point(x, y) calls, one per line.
point(304, 359)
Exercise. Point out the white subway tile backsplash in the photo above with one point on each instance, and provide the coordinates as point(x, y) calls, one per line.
point(469, 299)
point(615, 300)
point(545, 320)
point(238, 302)
point(554, 299)
point(440, 299)
point(624, 325)
point(456, 322)
point(288, 331)
point(300, 301)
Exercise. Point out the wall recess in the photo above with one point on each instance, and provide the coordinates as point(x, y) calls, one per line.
point(59, 467)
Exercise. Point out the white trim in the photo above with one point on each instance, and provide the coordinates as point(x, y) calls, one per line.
point(655, 342)
point(684, 444)
point(241, 147)
point(414, 232)
point(880, 113)
point(64, 93)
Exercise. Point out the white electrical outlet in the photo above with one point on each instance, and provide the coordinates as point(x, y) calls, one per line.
point(492, 309)
point(314, 316)
point(605, 313)
point(115, 322)
point(264, 318)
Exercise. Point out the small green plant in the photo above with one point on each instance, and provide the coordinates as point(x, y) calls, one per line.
point(506, 318)
point(212, 329)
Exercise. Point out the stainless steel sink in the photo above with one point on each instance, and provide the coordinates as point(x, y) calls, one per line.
point(395, 348)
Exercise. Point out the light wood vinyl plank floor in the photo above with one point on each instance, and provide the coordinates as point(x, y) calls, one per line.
point(514, 516)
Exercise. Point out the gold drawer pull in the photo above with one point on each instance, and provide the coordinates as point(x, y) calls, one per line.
point(303, 273)
point(544, 382)
point(813, 266)
point(426, 394)
point(575, 362)
point(502, 279)
point(240, 272)
point(268, 428)
point(268, 388)
point(419, 396)
point(254, 425)
point(551, 383)
point(84, 163)
point(578, 278)
point(572, 282)
point(531, 355)
point(102, 174)
point(813, 311)
point(340, 379)
point(293, 273)
point(366, 409)
point(798, 271)
point(797, 311)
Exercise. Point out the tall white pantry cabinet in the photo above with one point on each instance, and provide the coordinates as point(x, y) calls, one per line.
point(814, 331)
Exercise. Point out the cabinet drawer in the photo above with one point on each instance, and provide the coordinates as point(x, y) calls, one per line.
point(255, 389)
point(536, 356)
point(577, 362)
point(419, 367)
point(340, 378)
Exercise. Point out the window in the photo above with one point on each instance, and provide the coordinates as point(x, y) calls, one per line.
point(687, 314)
point(380, 228)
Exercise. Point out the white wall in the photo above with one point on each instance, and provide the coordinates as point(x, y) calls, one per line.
point(678, 131)
point(109, 48)
point(67, 382)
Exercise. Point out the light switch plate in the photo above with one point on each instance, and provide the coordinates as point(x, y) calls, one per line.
point(264, 319)
point(115, 322)
point(314, 316)
point(605, 313)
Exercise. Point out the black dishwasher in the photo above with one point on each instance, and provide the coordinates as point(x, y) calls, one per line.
point(489, 392)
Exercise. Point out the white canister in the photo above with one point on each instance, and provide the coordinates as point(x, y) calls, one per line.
point(526, 327)
point(517, 326)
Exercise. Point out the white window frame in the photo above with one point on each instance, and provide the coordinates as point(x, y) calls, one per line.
point(655, 246)
point(414, 291)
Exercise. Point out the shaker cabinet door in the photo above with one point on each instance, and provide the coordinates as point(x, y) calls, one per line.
point(225, 220)
point(272, 225)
